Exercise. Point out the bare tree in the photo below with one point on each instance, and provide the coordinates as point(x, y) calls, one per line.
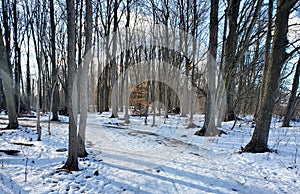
point(55, 98)
point(209, 128)
point(6, 71)
point(267, 50)
point(259, 140)
point(83, 90)
point(194, 31)
point(243, 29)
point(106, 17)
point(28, 78)
point(8, 86)
point(39, 43)
point(230, 56)
point(184, 25)
point(72, 162)
point(293, 97)
point(127, 55)
point(17, 56)
point(114, 83)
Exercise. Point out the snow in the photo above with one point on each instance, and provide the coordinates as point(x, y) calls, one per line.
point(138, 158)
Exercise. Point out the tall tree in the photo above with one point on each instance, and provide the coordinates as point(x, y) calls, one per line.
point(72, 162)
point(79, 41)
point(267, 50)
point(127, 55)
point(55, 98)
point(293, 97)
point(17, 56)
point(83, 90)
point(6, 72)
point(184, 8)
point(28, 79)
point(8, 86)
point(259, 140)
point(209, 128)
point(38, 33)
point(114, 82)
point(106, 17)
point(239, 39)
point(166, 53)
point(194, 47)
point(230, 56)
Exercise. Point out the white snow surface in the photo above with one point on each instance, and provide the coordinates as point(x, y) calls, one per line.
point(138, 158)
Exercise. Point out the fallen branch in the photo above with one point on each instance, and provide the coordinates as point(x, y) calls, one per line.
point(23, 144)
point(10, 152)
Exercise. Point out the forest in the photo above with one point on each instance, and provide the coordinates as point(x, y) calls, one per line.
point(201, 68)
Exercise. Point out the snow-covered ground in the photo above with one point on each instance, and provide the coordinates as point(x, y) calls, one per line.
point(138, 158)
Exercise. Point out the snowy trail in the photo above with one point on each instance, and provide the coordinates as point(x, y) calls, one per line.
point(12, 188)
point(146, 163)
point(164, 159)
point(132, 148)
point(144, 168)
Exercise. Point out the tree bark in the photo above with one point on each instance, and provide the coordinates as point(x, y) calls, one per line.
point(72, 161)
point(127, 55)
point(2, 96)
point(259, 140)
point(84, 81)
point(293, 97)
point(194, 34)
point(209, 128)
point(106, 21)
point(267, 52)
point(230, 57)
point(38, 104)
point(17, 57)
point(114, 82)
point(55, 99)
point(221, 92)
point(6, 71)
point(79, 40)
point(8, 86)
point(28, 80)
point(185, 26)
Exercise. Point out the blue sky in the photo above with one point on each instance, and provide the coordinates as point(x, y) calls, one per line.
point(298, 12)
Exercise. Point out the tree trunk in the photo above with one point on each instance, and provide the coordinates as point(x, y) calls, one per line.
point(6, 71)
point(127, 54)
point(92, 82)
point(126, 117)
point(185, 25)
point(259, 140)
point(38, 46)
point(17, 57)
point(267, 52)
point(194, 34)
point(106, 79)
point(55, 99)
point(84, 81)
point(121, 84)
point(28, 81)
point(72, 161)
point(209, 128)
point(79, 40)
point(292, 100)
point(8, 86)
point(153, 76)
point(114, 82)
point(38, 104)
point(230, 57)
point(2, 96)
point(221, 92)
